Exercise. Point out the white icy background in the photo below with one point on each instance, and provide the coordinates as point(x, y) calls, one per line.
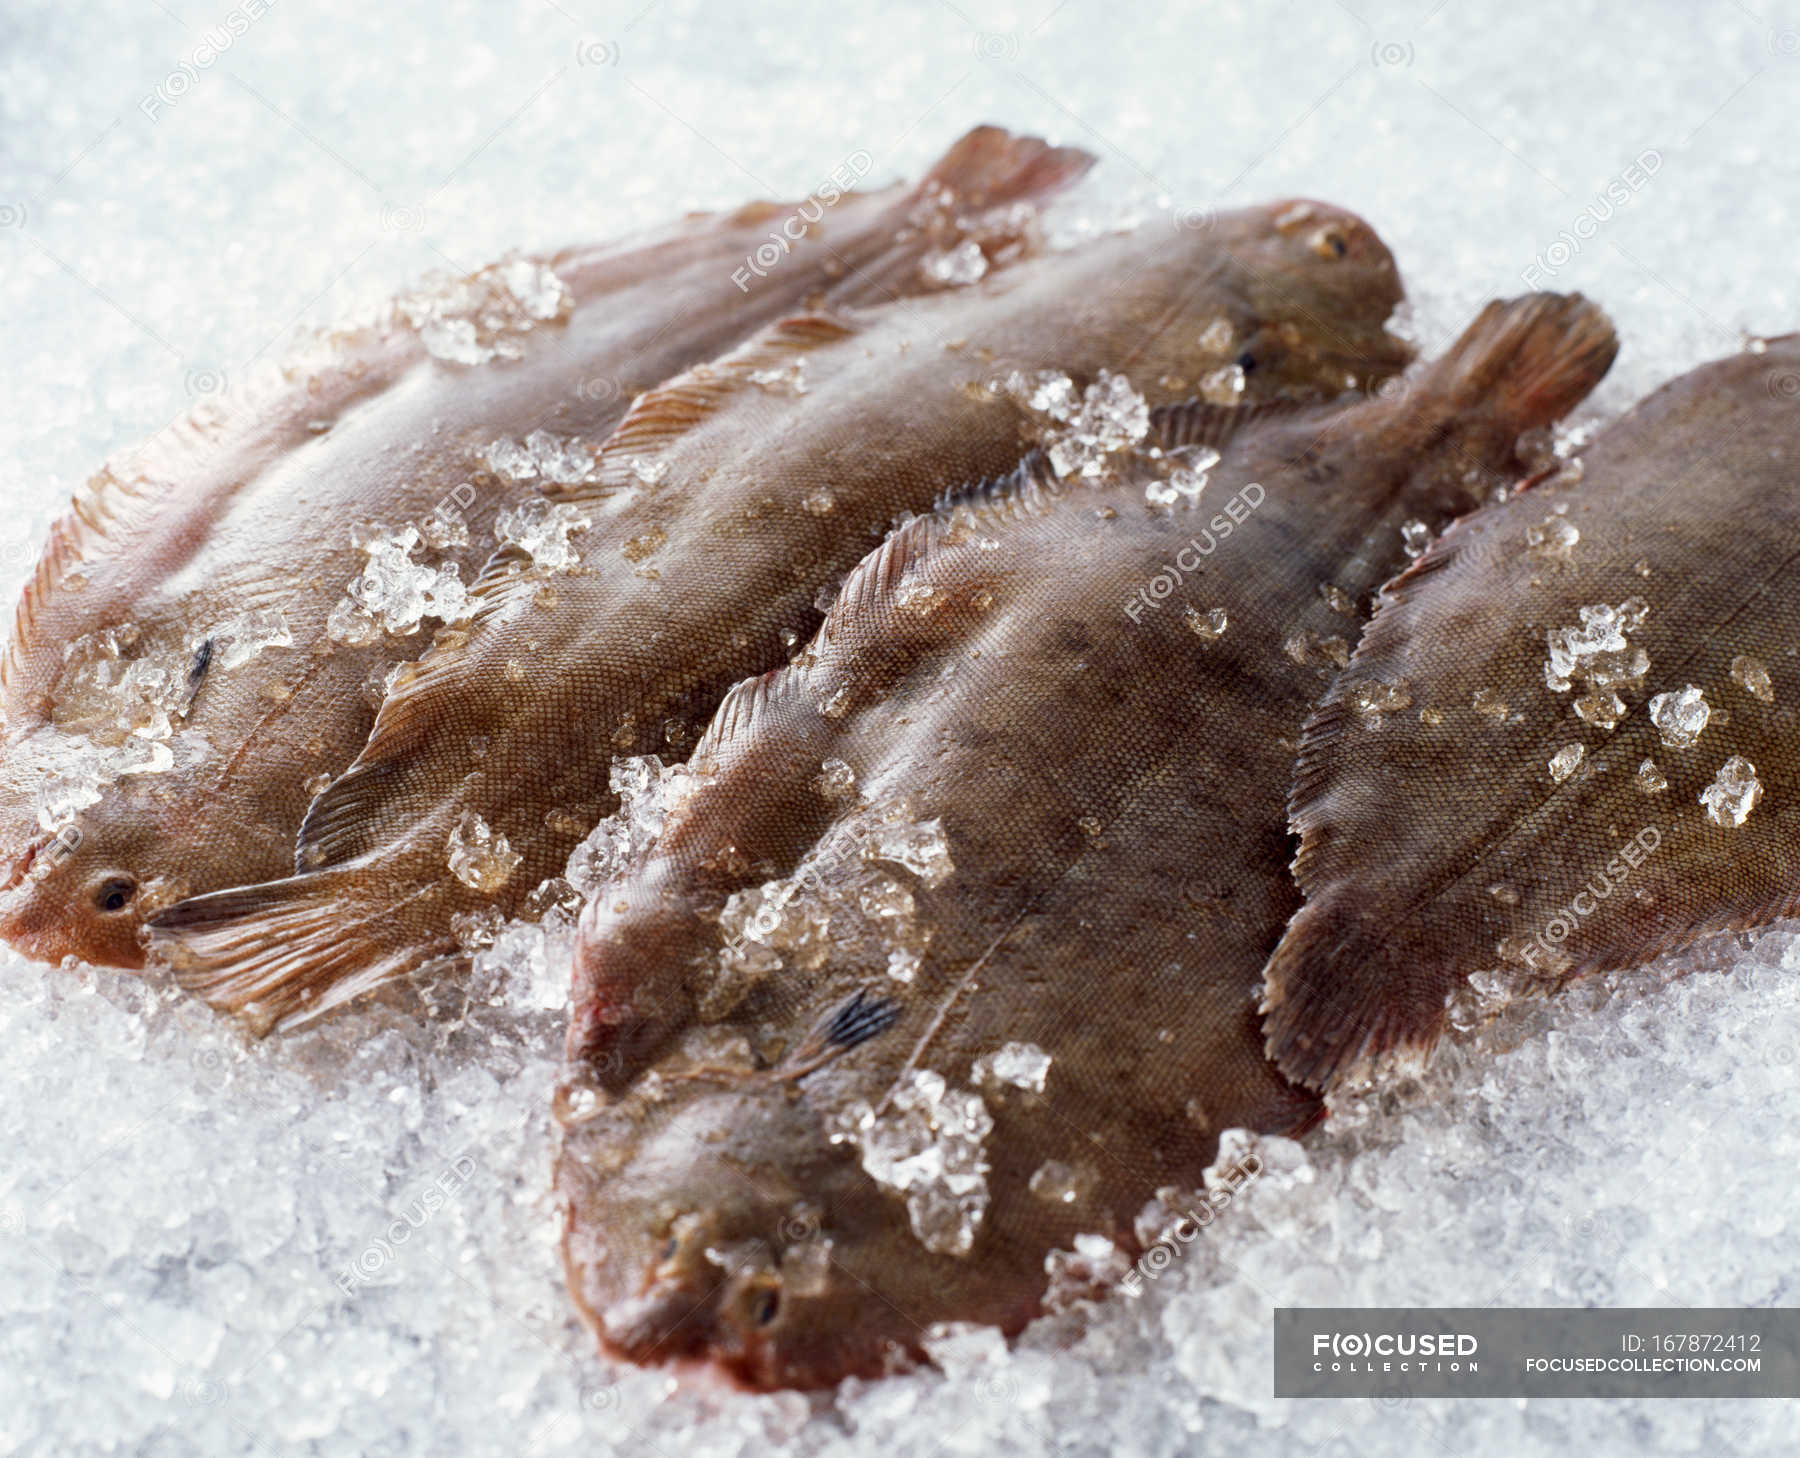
point(174, 1204)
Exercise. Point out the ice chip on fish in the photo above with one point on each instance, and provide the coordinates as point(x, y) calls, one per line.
point(1679, 717)
point(928, 1144)
point(1733, 794)
point(472, 320)
point(1021, 1065)
point(542, 530)
point(478, 857)
point(240, 640)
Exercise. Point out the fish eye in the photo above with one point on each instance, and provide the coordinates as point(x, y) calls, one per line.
point(1329, 243)
point(114, 894)
point(767, 1307)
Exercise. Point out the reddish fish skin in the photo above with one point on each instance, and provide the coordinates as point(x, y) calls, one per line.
point(254, 507)
point(1436, 848)
point(1111, 790)
point(759, 497)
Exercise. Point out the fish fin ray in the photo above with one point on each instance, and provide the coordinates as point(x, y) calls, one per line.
point(989, 166)
point(659, 419)
point(1338, 1003)
point(282, 953)
point(1530, 360)
point(107, 511)
point(1027, 489)
point(986, 169)
point(739, 712)
point(863, 608)
point(1198, 423)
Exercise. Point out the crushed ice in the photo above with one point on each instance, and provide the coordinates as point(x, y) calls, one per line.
point(1752, 675)
point(479, 856)
point(482, 317)
point(1081, 433)
point(1733, 794)
point(1017, 1065)
point(246, 637)
point(1208, 626)
point(394, 594)
point(1679, 717)
point(1597, 653)
point(1187, 468)
point(930, 1144)
point(1566, 761)
point(541, 529)
point(542, 457)
point(649, 791)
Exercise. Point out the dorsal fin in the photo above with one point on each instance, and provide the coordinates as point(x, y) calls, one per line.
point(741, 710)
point(660, 419)
point(1028, 485)
point(1198, 423)
point(874, 580)
point(195, 465)
point(868, 592)
point(110, 517)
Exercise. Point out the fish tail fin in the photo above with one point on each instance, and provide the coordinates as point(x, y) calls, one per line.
point(282, 953)
point(1343, 996)
point(988, 166)
point(986, 172)
point(1531, 359)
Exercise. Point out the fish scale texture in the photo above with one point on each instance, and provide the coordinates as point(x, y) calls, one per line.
point(176, 1208)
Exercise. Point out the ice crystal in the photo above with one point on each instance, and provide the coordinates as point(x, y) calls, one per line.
point(541, 529)
point(929, 1143)
point(473, 320)
point(480, 857)
point(1020, 1065)
point(1733, 794)
point(1679, 717)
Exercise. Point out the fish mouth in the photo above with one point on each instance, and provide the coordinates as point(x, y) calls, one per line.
point(21, 874)
point(668, 1321)
point(728, 1235)
point(748, 1326)
point(611, 1042)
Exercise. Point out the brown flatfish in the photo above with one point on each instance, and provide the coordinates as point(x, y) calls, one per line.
point(1597, 765)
